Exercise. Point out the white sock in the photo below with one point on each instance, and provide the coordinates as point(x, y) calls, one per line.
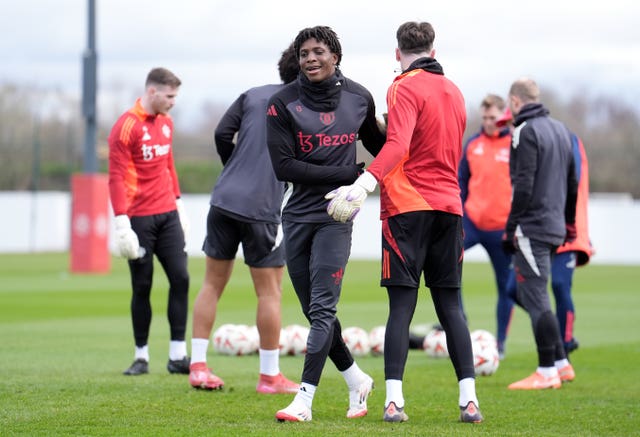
point(394, 392)
point(561, 363)
point(199, 350)
point(467, 388)
point(353, 376)
point(547, 372)
point(142, 352)
point(269, 362)
point(177, 350)
point(305, 394)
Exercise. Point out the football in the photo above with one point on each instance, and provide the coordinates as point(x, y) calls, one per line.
point(220, 336)
point(376, 340)
point(357, 340)
point(485, 358)
point(435, 344)
point(297, 339)
point(483, 336)
point(230, 339)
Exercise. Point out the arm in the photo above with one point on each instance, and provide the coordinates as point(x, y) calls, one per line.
point(464, 174)
point(572, 193)
point(227, 127)
point(171, 168)
point(119, 160)
point(402, 118)
point(370, 135)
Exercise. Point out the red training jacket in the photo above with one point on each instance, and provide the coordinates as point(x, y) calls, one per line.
point(142, 176)
point(417, 168)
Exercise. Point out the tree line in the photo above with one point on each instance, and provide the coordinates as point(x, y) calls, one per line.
point(41, 135)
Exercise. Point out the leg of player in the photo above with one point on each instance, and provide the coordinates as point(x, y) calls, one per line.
point(268, 285)
point(217, 274)
point(445, 301)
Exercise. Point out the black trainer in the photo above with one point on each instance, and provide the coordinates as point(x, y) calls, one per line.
point(179, 366)
point(139, 367)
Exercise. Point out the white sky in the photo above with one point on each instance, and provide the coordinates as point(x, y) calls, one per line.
point(219, 48)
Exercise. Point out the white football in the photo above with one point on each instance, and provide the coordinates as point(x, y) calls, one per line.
point(254, 335)
point(376, 340)
point(483, 336)
point(298, 335)
point(233, 340)
point(485, 358)
point(357, 340)
point(220, 338)
point(435, 344)
point(285, 344)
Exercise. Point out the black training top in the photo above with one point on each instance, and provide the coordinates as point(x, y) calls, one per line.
point(312, 130)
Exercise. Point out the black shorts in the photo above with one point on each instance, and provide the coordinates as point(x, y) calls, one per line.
point(429, 242)
point(261, 242)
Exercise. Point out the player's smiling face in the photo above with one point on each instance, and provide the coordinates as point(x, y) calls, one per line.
point(317, 62)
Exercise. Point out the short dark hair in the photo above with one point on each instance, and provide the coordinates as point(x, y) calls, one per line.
point(162, 76)
point(322, 34)
point(415, 37)
point(288, 65)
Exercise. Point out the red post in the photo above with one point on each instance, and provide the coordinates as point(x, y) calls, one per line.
point(90, 223)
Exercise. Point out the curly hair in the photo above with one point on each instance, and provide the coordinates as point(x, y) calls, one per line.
point(322, 34)
point(288, 65)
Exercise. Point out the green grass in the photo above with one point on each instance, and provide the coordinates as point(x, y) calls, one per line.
point(66, 338)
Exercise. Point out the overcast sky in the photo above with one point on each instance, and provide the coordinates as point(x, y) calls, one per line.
point(219, 48)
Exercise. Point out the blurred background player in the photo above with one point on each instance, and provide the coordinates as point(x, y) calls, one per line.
point(150, 217)
point(571, 254)
point(486, 199)
point(542, 217)
point(421, 213)
point(245, 209)
point(312, 128)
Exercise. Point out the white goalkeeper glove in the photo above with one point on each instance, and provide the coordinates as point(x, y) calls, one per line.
point(346, 200)
point(126, 239)
point(184, 219)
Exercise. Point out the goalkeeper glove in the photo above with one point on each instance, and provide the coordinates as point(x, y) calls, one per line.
point(346, 200)
point(126, 239)
point(184, 219)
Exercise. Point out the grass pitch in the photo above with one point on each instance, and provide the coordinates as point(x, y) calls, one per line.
point(65, 340)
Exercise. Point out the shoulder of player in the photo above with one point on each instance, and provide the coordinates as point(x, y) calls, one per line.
point(355, 87)
point(286, 93)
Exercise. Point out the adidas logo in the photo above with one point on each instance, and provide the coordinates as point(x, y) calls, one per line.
point(272, 111)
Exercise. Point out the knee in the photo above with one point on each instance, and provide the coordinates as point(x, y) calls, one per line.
point(180, 282)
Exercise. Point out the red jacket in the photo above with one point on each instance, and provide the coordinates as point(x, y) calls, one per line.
point(484, 180)
point(142, 176)
point(417, 168)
